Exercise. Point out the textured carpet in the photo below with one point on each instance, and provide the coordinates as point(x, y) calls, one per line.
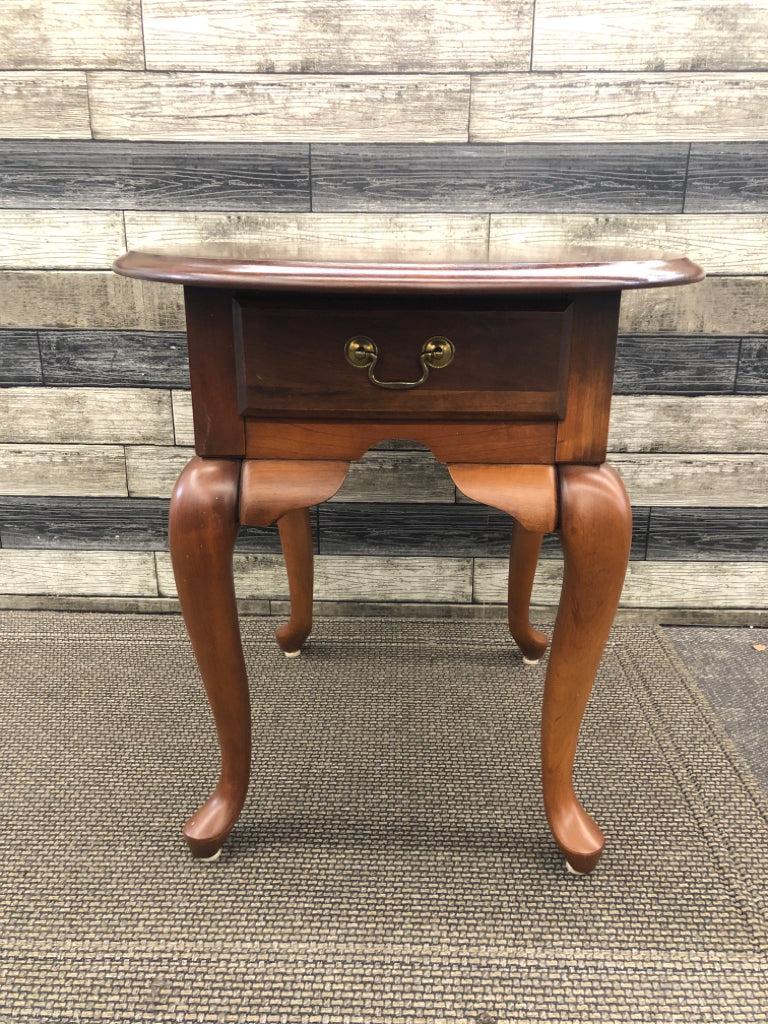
point(393, 861)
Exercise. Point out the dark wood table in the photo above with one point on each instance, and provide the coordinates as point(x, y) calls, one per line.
point(504, 371)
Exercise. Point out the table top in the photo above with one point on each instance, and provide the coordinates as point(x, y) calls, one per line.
point(218, 265)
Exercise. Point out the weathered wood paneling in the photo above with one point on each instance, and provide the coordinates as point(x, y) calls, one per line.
point(752, 377)
point(279, 108)
point(88, 300)
point(39, 105)
point(60, 239)
point(348, 579)
point(397, 476)
point(631, 107)
point(709, 535)
point(183, 426)
point(676, 364)
point(727, 176)
point(524, 178)
point(70, 34)
point(155, 176)
point(323, 36)
point(298, 236)
point(665, 35)
point(710, 424)
point(63, 469)
point(721, 243)
point(648, 584)
point(85, 416)
point(114, 358)
point(707, 480)
point(153, 471)
point(82, 573)
point(719, 305)
point(20, 358)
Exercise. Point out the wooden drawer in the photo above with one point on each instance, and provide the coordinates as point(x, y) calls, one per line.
point(510, 362)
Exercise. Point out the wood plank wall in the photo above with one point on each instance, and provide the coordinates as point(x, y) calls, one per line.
point(455, 127)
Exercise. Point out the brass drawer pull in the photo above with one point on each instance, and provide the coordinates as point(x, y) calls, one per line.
point(363, 353)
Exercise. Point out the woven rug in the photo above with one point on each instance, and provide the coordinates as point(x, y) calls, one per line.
point(393, 862)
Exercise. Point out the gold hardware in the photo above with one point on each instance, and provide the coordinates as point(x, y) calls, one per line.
point(436, 353)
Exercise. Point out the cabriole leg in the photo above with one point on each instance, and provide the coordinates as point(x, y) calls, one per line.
point(296, 538)
point(523, 558)
point(596, 531)
point(203, 529)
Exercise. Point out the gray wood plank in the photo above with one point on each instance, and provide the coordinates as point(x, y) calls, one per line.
point(719, 305)
point(708, 535)
point(752, 378)
point(633, 35)
point(96, 470)
point(384, 476)
point(152, 471)
point(81, 573)
point(60, 239)
point(628, 107)
point(20, 358)
point(44, 105)
point(642, 177)
point(727, 177)
point(651, 423)
point(70, 34)
point(180, 106)
point(114, 358)
point(714, 481)
point(663, 364)
point(322, 36)
point(154, 176)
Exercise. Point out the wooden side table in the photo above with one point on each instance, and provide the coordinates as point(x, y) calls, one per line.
point(504, 371)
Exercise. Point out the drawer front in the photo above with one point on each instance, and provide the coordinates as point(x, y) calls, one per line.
point(508, 363)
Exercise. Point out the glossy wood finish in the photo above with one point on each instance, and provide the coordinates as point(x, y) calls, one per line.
point(524, 549)
point(203, 529)
point(296, 538)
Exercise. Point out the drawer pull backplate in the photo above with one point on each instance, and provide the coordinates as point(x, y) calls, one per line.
point(363, 353)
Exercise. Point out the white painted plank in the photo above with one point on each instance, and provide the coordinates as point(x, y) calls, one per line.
point(44, 105)
point(183, 427)
point(306, 236)
point(631, 107)
point(322, 36)
point(60, 239)
point(337, 578)
point(153, 471)
point(70, 34)
point(715, 481)
point(722, 243)
point(96, 471)
point(88, 299)
point(85, 416)
point(78, 573)
point(279, 108)
point(638, 35)
point(719, 305)
point(654, 423)
point(648, 584)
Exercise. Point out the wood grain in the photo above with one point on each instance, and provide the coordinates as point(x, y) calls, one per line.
point(629, 107)
point(60, 469)
point(47, 105)
point(320, 36)
point(736, 481)
point(676, 364)
point(113, 358)
point(709, 424)
point(70, 34)
point(86, 416)
point(727, 176)
point(279, 108)
point(449, 237)
point(721, 243)
point(669, 35)
point(152, 471)
point(20, 358)
point(154, 175)
point(643, 177)
point(80, 573)
point(719, 305)
point(648, 584)
point(752, 377)
point(59, 239)
point(709, 535)
point(396, 477)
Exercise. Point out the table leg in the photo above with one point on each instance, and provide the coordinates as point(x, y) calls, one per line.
point(296, 538)
point(203, 529)
point(523, 558)
point(596, 531)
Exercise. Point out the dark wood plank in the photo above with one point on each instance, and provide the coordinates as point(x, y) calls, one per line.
point(672, 364)
point(708, 534)
point(109, 524)
point(646, 177)
point(752, 378)
point(20, 357)
point(154, 176)
point(115, 358)
point(465, 530)
point(727, 177)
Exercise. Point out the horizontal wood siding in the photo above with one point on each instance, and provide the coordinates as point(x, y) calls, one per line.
point(39, 105)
